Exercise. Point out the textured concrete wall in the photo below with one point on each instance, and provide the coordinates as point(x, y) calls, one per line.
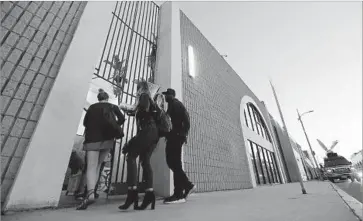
point(215, 155)
point(287, 151)
point(300, 164)
point(34, 39)
point(167, 74)
point(35, 186)
point(284, 166)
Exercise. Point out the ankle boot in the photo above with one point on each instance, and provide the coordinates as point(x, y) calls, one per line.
point(132, 198)
point(148, 199)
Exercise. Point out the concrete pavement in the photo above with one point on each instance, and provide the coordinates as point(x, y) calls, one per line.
point(278, 202)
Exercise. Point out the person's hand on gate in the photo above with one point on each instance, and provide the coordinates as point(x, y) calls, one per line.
point(130, 113)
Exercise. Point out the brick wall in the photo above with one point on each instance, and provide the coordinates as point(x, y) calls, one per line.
point(34, 39)
point(215, 156)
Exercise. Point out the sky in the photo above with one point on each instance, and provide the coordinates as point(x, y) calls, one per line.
point(312, 51)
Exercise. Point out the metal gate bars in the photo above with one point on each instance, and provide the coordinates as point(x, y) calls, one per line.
point(129, 54)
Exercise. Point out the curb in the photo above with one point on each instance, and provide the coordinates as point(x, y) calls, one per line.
point(354, 205)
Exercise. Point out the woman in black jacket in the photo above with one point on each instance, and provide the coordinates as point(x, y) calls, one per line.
point(143, 145)
point(101, 129)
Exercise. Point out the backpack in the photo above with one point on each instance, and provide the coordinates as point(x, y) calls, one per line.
point(111, 121)
point(162, 119)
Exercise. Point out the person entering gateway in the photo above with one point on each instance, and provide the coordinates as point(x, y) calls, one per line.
point(175, 140)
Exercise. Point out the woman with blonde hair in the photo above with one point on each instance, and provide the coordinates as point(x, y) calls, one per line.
point(143, 145)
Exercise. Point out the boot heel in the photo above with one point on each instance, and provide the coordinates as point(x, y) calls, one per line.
point(153, 204)
point(132, 198)
point(136, 203)
point(148, 199)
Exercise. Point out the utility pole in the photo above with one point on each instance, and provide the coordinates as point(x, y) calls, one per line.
point(307, 139)
point(303, 190)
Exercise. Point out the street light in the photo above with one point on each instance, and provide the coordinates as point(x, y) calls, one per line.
point(307, 112)
point(307, 138)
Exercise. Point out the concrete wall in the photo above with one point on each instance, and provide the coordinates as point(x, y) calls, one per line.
point(215, 156)
point(308, 159)
point(287, 152)
point(307, 163)
point(39, 179)
point(35, 37)
point(284, 165)
point(299, 161)
point(167, 75)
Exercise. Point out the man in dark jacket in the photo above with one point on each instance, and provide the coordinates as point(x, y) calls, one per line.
point(175, 140)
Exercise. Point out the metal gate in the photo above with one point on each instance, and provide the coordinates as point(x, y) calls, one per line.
point(129, 54)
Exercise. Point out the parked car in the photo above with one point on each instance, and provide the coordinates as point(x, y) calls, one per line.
point(338, 167)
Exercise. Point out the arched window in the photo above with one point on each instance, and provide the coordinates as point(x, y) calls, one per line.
point(254, 121)
point(262, 159)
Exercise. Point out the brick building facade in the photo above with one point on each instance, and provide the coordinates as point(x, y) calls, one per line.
point(215, 157)
point(35, 37)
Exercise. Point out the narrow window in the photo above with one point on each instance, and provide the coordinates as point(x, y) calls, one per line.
point(191, 61)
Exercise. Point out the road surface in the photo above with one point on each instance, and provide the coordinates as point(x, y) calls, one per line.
point(352, 188)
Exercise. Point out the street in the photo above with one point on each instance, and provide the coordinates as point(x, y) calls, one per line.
point(352, 188)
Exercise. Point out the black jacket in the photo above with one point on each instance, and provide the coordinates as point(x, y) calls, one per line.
point(179, 117)
point(97, 129)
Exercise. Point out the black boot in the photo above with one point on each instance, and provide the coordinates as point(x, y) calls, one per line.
point(148, 199)
point(132, 198)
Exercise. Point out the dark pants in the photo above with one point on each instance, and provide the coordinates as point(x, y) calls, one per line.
point(143, 145)
point(173, 151)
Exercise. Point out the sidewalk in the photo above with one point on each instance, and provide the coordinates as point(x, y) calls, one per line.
point(272, 203)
